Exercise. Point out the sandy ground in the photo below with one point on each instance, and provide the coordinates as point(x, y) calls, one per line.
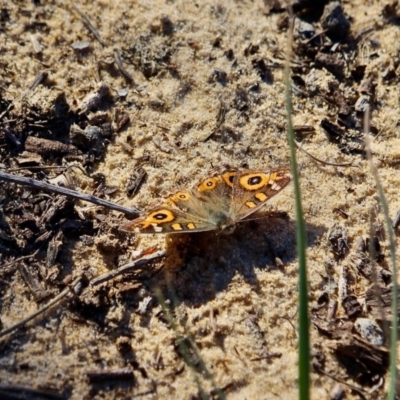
point(232, 298)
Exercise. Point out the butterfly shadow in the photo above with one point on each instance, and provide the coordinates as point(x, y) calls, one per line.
point(200, 265)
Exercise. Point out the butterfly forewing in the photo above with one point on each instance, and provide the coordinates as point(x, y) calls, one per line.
point(252, 189)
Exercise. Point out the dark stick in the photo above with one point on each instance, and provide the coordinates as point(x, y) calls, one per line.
point(67, 192)
point(120, 65)
point(89, 25)
point(59, 297)
point(76, 287)
point(127, 267)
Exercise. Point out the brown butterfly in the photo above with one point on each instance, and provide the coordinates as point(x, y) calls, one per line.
point(216, 203)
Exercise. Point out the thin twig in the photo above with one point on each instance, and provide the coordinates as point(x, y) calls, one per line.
point(37, 81)
point(77, 284)
point(315, 36)
point(299, 146)
point(23, 392)
point(354, 388)
point(12, 138)
point(89, 25)
point(127, 268)
point(42, 310)
point(6, 268)
point(9, 107)
point(39, 78)
point(220, 120)
point(121, 67)
point(67, 192)
point(37, 167)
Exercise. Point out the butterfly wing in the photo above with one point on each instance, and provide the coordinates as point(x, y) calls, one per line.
point(205, 208)
point(215, 193)
point(166, 219)
point(252, 189)
point(215, 202)
point(181, 212)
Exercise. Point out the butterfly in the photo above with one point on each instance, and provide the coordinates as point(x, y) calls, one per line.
point(217, 202)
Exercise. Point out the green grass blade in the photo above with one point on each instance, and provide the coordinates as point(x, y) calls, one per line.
point(304, 340)
point(392, 247)
point(185, 350)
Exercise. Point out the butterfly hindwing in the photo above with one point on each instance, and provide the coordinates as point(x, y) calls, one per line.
point(167, 219)
point(215, 192)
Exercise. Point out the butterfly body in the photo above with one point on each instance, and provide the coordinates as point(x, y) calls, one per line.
point(215, 203)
